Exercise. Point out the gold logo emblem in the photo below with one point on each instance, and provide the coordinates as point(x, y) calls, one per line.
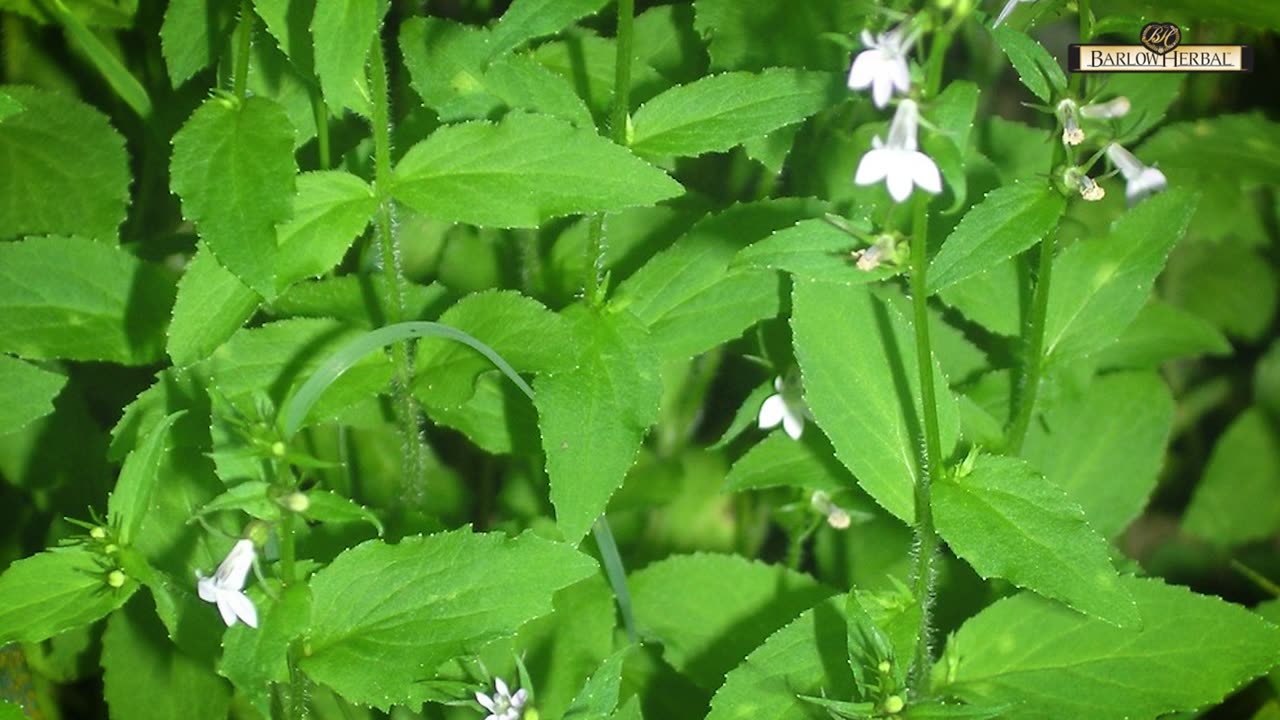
point(1161, 38)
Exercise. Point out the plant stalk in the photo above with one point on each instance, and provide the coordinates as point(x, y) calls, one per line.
point(114, 71)
point(240, 80)
point(406, 407)
point(931, 469)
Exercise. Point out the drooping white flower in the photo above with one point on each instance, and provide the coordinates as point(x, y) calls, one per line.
point(1139, 180)
point(837, 517)
point(1072, 134)
point(882, 66)
point(1114, 108)
point(226, 587)
point(1008, 8)
point(898, 162)
point(503, 705)
point(786, 407)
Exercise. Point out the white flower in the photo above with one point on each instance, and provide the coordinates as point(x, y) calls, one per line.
point(226, 587)
point(882, 66)
point(1115, 108)
point(1071, 132)
point(1139, 180)
point(784, 407)
point(837, 517)
point(1008, 8)
point(898, 162)
point(502, 705)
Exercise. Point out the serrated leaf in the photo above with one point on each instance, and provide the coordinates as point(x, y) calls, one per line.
point(594, 417)
point(1037, 69)
point(1160, 333)
point(385, 616)
point(54, 591)
point(521, 83)
point(136, 653)
point(212, 304)
point(72, 298)
point(568, 645)
point(857, 357)
point(1245, 148)
point(1233, 287)
point(1100, 285)
point(327, 506)
point(254, 658)
point(1238, 498)
point(1055, 663)
point(26, 393)
point(587, 61)
point(193, 35)
point(526, 20)
point(234, 170)
point(1006, 222)
point(344, 30)
point(754, 36)
point(1008, 521)
point(599, 696)
point(65, 168)
point(358, 300)
point(727, 606)
point(289, 22)
point(813, 249)
point(522, 171)
point(518, 328)
point(746, 416)
point(808, 463)
point(1106, 447)
point(447, 62)
point(719, 112)
point(992, 298)
point(330, 211)
point(807, 657)
point(128, 503)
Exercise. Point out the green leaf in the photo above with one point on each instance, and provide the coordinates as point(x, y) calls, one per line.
point(757, 35)
point(1055, 663)
point(727, 605)
point(991, 298)
point(1245, 148)
point(587, 62)
point(1006, 222)
point(1238, 498)
point(253, 659)
point(687, 294)
point(807, 657)
point(594, 417)
point(526, 20)
point(9, 711)
point(289, 22)
point(233, 168)
point(1038, 70)
point(778, 460)
point(54, 591)
point(344, 30)
point(1100, 285)
point(521, 83)
point(813, 249)
point(1233, 287)
point(194, 35)
point(746, 416)
point(1161, 333)
point(520, 329)
point(327, 506)
point(1007, 521)
point(330, 211)
point(131, 497)
point(65, 168)
point(9, 105)
point(212, 304)
point(498, 418)
point(385, 616)
point(719, 112)
point(77, 299)
point(564, 648)
point(857, 356)
point(26, 393)
point(447, 62)
point(599, 696)
point(147, 677)
point(357, 300)
point(1105, 448)
point(522, 171)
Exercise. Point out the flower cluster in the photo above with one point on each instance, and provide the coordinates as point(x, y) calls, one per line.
point(503, 704)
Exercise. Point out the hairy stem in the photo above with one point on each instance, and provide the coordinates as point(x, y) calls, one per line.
point(926, 535)
point(406, 407)
point(240, 79)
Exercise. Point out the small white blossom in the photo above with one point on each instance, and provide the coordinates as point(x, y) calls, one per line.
point(882, 66)
point(1008, 8)
point(1071, 132)
point(898, 162)
point(1115, 108)
point(784, 407)
point(226, 587)
point(837, 517)
point(1139, 180)
point(503, 705)
point(882, 250)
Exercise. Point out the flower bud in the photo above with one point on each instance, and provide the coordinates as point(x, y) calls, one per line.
point(295, 502)
point(894, 704)
point(98, 533)
point(115, 579)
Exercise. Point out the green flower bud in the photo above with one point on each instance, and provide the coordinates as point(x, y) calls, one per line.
point(894, 704)
point(98, 533)
point(115, 579)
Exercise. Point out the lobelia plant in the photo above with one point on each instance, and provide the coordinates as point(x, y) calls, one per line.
point(573, 359)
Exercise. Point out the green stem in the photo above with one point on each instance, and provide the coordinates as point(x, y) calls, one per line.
point(106, 62)
point(407, 408)
point(926, 535)
point(937, 53)
point(240, 80)
point(288, 552)
point(618, 133)
point(321, 112)
point(616, 572)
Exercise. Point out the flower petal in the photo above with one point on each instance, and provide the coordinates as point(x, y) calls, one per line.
point(225, 608)
point(863, 70)
point(924, 172)
point(206, 589)
point(486, 701)
point(882, 86)
point(772, 411)
point(794, 425)
point(874, 166)
point(899, 179)
point(235, 568)
point(900, 75)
